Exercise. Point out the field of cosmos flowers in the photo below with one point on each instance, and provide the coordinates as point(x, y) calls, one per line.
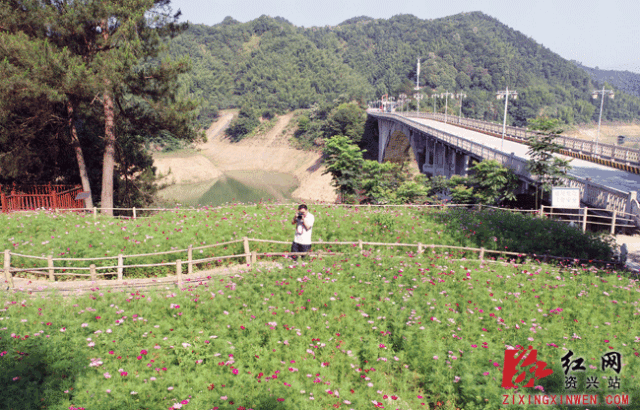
point(385, 328)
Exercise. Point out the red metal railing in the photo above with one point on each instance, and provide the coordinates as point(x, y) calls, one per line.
point(41, 196)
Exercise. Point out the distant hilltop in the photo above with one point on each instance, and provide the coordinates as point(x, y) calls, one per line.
point(626, 81)
point(269, 65)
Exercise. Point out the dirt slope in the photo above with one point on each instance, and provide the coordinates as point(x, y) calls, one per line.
point(268, 152)
point(608, 133)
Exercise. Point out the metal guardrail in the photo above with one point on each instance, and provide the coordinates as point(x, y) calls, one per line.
point(591, 193)
point(628, 156)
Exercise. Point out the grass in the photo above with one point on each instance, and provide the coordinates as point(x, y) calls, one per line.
point(80, 236)
point(356, 332)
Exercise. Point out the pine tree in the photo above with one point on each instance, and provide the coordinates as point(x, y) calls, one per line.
point(112, 50)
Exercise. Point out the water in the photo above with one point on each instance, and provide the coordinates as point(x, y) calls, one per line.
point(234, 186)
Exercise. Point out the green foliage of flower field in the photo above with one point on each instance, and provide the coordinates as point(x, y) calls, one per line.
point(375, 330)
point(82, 236)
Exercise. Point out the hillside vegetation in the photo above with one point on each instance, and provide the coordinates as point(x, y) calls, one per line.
point(624, 80)
point(269, 64)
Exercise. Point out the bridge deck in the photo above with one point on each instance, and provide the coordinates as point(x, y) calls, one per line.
point(615, 178)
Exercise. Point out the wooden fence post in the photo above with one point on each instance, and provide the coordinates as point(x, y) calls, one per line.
point(254, 258)
point(190, 259)
point(134, 212)
point(541, 211)
point(360, 244)
point(420, 249)
point(482, 254)
point(92, 271)
point(7, 267)
point(246, 250)
point(613, 223)
point(584, 220)
point(50, 265)
point(179, 271)
point(95, 212)
point(120, 267)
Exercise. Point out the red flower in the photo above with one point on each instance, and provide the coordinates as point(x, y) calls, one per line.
point(280, 399)
point(211, 387)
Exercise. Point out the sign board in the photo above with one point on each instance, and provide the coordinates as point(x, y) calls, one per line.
point(82, 195)
point(562, 197)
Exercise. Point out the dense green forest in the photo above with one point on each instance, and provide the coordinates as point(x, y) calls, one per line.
point(624, 80)
point(270, 66)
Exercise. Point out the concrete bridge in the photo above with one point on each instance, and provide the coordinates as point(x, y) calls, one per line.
point(446, 149)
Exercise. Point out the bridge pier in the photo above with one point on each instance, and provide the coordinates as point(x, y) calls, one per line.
point(461, 164)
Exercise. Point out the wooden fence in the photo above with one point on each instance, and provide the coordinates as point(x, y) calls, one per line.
point(51, 271)
point(40, 196)
point(617, 219)
point(581, 216)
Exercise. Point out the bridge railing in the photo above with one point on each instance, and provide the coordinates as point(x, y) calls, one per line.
point(517, 164)
point(628, 156)
point(591, 193)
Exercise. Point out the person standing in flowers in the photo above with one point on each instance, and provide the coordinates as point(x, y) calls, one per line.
point(304, 223)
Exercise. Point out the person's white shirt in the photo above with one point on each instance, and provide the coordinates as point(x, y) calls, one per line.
point(303, 235)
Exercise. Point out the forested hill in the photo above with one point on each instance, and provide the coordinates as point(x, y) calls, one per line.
point(269, 65)
point(624, 80)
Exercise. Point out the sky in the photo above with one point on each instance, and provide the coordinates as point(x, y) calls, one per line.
point(597, 33)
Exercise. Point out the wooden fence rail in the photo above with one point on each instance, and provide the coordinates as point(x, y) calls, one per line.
point(51, 271)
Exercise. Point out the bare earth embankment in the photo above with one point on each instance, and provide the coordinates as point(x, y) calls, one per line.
point(608, 133)
point(267, 152)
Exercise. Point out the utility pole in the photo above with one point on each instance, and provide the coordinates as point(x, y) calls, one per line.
point(461, 96)
point(595, 94)
point(402, 98)
point(418, 97)
point(500, 95)
point(418, 76)
point(446, 103)
point(433, 97)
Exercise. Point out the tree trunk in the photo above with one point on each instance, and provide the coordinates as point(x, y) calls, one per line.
point(82, 167)
point(108, 164)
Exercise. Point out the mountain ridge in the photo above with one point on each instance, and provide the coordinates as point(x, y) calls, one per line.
point(270, 65)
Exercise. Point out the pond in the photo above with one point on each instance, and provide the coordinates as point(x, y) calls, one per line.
point(234, 187)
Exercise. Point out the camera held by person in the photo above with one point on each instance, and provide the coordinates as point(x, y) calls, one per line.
point(304, 223)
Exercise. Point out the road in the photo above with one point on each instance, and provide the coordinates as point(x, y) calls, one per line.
point(600, 174)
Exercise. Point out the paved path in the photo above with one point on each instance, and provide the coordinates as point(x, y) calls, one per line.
point(600, 174)
point(75, 287)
